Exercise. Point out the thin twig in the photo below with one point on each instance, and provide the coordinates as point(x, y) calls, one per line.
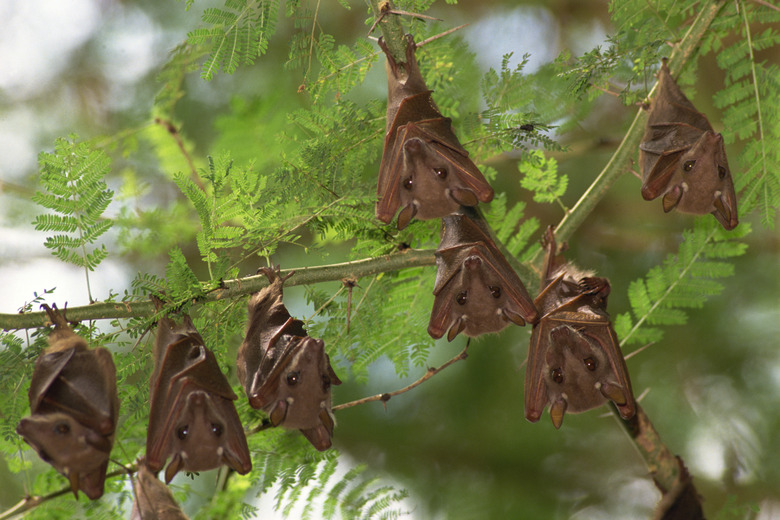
point(767, 4)
point(440, 35)
point(432, 371)
point(171, 128)
point(399, 12)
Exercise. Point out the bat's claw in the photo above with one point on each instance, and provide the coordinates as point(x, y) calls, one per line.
point(274, 273)
point(595, 285)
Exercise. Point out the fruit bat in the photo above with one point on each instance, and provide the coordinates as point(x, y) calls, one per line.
point(574, 361)
point(153, 500)
point(683, 159)
point(74, 408)
point(424, 170)
point(476, 291)
point(192, 418)
point(285, 372)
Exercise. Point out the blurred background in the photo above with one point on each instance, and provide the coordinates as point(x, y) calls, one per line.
point(459, 443)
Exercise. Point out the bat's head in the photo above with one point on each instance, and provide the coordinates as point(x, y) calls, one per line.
point(200, 439)
point(576, 377)
point(475, 300)
point(430, 183)
point(78, 452)
point(703, 182)
point(299, 392)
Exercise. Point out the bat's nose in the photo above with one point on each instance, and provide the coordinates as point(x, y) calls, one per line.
point(472, 262)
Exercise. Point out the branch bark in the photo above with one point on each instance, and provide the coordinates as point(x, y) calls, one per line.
point(235, 288)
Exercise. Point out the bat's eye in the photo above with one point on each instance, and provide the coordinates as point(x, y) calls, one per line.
point(182, 432)
point(194, 352)
point(292, 378)
point(216, 429)
point(721, 172)
point(557, 375)
point(590, 363)
point(688, 165)
point(462, 298)
point(495, 291)
point(62, 428)
point(408, 183)
point(441, 173)
point(325, 382)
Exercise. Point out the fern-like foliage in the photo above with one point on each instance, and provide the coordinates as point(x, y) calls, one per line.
point(75, 190)
point(512, 119)
point(540, 175)
point(632, 52)
point(237, 34)
point(182, 61)
point(685, 280)
point(320, 486)
point(342, 67)
point(751, 101)
point(389, 317)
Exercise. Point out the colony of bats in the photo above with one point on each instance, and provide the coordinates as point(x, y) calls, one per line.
point(574, 362)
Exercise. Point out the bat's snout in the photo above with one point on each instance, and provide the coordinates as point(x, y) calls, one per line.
point(472, 262)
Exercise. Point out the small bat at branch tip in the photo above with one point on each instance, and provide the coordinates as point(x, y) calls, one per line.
point(683, 160)
point(425, 172)
point(574, 360)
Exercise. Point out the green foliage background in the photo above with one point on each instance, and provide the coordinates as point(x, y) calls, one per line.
point(261, 145)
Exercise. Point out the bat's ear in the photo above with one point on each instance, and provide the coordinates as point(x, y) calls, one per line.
point(334, 379)
point(672, 198)
point(406, 215)
point(279, 413)
point(725, 211)
point(320, 435)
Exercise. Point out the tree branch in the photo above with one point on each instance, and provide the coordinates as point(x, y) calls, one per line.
point(390, 25)
point(234, 288)
point(432, 371)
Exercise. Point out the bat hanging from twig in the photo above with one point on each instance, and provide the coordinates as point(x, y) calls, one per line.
point(192, 418)
point(476, 290)
point(74, 407)
point(574, 361)
point(683, 160)
point(284, 371)
point(425, 171)
point(153, 499)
